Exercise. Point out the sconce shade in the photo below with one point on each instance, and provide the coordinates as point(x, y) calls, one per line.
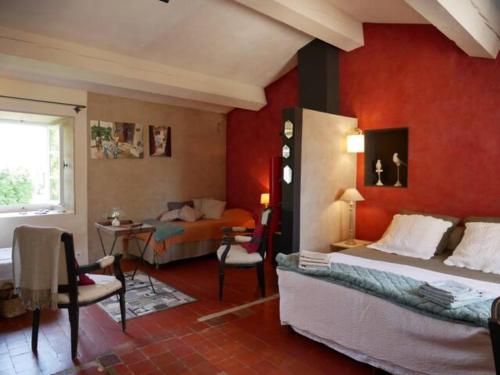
point(356, 143)
point(352, 195)
point(264, 199)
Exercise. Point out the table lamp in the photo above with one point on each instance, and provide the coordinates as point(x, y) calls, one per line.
point(350, 196)
point(264, 199)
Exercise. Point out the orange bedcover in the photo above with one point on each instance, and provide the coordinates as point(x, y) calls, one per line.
point(201, 230)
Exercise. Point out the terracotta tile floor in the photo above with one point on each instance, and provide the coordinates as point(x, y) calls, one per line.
point(249, 341)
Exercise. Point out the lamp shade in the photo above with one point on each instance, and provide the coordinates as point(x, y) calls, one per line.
point(356, 143)
point(264, 199)
point(352, 195)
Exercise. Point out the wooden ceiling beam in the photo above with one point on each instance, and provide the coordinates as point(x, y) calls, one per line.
point(474, 25)
point(317, 18)
point(73, 62)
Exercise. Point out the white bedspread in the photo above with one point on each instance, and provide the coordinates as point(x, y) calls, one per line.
point(378, 332)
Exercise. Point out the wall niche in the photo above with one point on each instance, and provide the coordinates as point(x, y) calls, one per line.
point(390, 146)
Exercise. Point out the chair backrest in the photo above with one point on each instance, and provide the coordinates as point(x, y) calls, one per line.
point(68, 282)
point(66, 271)
point(265, 220)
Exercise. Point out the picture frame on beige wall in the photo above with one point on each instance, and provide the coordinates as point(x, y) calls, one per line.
point(160, 141)
point(116, 140)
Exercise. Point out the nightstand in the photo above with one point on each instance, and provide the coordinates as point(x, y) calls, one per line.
point(339, 246)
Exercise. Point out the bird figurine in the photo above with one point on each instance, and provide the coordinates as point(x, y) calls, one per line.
point(399, 163)
point(379, 170)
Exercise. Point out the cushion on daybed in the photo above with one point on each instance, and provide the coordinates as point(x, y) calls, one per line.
point(170, 215)
point(178, 205)
point(212, 208)
point(443, 244)
point(415, 236)
point(479, 248)
point(188, 213)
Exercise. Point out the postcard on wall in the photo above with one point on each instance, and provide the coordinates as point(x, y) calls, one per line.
point(160, 141)
point(116, 140)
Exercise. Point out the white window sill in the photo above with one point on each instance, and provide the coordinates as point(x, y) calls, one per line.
point(19, 214)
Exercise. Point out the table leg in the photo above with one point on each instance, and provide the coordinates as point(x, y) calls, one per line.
point(104, 249)
point(102, 243)
point(142, 259)
point(113, 246)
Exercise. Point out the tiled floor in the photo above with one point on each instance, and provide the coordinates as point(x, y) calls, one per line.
point(250, 341)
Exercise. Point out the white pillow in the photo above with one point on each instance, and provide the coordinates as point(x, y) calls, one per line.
point(479, 248)
point(415, 236)
point(197, 203)
point(212, 208)
point(170, 215)
point(188, 213)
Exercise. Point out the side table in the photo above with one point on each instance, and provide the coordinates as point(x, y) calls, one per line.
point(127, 228)
point(342, 245)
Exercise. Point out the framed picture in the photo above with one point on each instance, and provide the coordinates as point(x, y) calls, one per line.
point(160, 141)
point(116, 140)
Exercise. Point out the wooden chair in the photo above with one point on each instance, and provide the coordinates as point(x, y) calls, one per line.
point(494, 325)
point(72, 297)
point(232, 254)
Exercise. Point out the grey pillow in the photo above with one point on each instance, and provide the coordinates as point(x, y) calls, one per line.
point(444, 241)
point(482, 219)
point(178, 205)
point(455, 237)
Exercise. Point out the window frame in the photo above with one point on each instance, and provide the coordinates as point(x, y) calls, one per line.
point(33, 207)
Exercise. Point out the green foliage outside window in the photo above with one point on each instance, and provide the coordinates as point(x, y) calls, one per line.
point(15, 187)
point(54, 164)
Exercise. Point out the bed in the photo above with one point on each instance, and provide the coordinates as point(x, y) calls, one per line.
point(199, 238)
point(382, 333)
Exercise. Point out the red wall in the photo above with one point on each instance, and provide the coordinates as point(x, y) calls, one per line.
point(252, 139)
point(405, 75)
point(413, 76)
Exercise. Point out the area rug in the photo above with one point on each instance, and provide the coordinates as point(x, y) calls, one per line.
point(140, 299)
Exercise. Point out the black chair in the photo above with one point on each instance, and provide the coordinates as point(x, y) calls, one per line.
point(232, 254)
point(72, 297)
point(494, 324)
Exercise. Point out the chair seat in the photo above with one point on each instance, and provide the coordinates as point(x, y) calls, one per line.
point(103, 286)
point(238, 255)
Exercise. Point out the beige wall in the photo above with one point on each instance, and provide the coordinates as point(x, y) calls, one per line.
point(326, 170)
point(141, 187)
point(75, 222)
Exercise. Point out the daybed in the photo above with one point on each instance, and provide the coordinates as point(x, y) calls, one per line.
point(383, 333)
point(199, 238)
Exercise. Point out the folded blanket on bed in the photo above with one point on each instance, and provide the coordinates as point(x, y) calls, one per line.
point(395, 288)
point(164, 230)
point(312, 260)
point(451, 294)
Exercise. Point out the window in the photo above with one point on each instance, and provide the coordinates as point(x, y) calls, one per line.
point(32, 153)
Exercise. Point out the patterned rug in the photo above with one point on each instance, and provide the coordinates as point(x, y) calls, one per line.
point(140, 299)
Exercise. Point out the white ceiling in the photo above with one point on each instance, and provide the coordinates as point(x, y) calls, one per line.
point(215, 37)
point(208, 54)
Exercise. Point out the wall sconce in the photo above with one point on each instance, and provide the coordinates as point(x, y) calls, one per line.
point(356, 141)
point(264, 199)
